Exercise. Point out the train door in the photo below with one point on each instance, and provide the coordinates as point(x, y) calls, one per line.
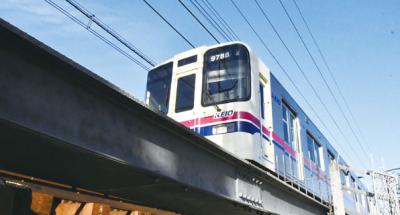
point(183, 97)
point(262, 99)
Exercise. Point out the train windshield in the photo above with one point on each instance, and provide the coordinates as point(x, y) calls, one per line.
point(158, 87)
point(226, 75)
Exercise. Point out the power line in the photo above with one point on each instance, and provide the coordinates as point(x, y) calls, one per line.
point(330, 72)
point(222, 20)
point(205, 14)
point(110, 31)
point(324, 79)
point(195, 17)
point(214, 16)
point(290, 53)
point(303, 73)
point(170, 25)
point(87, 27)
point(226, 35)
point(273, 56)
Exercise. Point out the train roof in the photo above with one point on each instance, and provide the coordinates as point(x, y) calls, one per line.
point(201, 49)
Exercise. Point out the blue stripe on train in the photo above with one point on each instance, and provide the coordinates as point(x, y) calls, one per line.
point(238, 126)
point(242, 126)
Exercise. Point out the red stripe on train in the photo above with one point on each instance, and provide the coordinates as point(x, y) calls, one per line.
point(250, 117)
point(208, 119)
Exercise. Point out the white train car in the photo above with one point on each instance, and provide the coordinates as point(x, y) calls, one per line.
point(228, 95)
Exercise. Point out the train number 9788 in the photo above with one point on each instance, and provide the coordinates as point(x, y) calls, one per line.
point(220, 56)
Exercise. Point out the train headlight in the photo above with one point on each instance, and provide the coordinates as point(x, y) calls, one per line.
point(223, 128)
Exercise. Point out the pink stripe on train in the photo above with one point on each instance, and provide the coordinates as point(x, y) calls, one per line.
point(250, 117)
point(246, 116)
point(314, 168)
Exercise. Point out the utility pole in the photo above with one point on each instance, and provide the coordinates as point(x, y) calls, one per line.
point(385, 187)
point(396, 171)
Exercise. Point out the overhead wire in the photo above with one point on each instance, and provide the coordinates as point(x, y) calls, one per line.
point(294, 59)
point(324, 80)
point(169, 24)
point(214, 19)
point(207, 16)
point(195, 17)
point(275, 59)
point(306, 78)
point(110, 31)
point(213, 16)
point(210, 33)
point(98, 35)
point(330, 72)
point(222, 20)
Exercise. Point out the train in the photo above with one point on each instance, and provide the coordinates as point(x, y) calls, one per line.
point(227, 94)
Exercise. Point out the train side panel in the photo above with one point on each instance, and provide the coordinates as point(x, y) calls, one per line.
point(293, 154)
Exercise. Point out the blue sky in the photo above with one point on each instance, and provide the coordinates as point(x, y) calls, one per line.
point(360, 39)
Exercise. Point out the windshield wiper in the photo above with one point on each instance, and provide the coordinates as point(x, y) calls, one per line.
point(212, 100)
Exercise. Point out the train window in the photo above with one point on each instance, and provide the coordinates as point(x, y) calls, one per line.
point(285, 124)
point(342, 177)
point(262, 100)
point(185, 93)
point(226, 75)
point(331, 156)
point(158, 87)
point(359, 196)
point(313, 150)
point(348, 183)
point(289, 126)
point(310, 148)
point(353, 185)
point(317, 154)
point(187, 60)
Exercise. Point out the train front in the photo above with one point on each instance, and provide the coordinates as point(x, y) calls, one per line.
point(213, 91)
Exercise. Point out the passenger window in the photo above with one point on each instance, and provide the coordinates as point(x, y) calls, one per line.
point(310, 148)
point(185, 93)
point(317, 156)
point(342, 177)
point(262, 100)
point(289, 126)
point(331, 156)
point(353, 185)
point(331, 159)
point(313, 150)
